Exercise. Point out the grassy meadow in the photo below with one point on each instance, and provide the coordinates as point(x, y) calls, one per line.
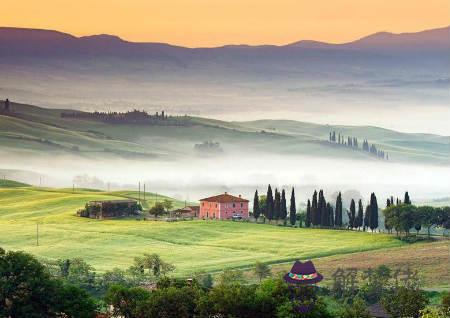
point(191, 245)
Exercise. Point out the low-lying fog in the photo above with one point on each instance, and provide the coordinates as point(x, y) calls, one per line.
point(241, 173)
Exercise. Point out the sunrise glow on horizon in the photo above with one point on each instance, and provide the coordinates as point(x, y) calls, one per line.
point(197, 23)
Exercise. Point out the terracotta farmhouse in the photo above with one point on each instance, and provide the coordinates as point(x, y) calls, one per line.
point(224, 207)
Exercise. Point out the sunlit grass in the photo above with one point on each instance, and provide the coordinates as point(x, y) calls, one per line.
point(191, 245)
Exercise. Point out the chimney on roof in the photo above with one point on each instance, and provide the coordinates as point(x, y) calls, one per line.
point(226, 192)
point(239, 195)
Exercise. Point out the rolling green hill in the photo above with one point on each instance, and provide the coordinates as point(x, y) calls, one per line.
point(4, 183)
point(39, 131)
point(191, 245)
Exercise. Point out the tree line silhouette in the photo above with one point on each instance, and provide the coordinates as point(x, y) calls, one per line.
point(399, 216)
point(352, 142)
point(129, 117)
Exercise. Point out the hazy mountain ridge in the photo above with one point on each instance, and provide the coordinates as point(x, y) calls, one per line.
point(236, 82)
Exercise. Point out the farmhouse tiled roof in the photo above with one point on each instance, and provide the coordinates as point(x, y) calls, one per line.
point(225, 198)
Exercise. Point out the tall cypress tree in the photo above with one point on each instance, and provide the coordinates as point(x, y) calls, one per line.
point(338, 218)
point(324, 217)
point(407, 200)
point(352, 215)
point(292, 209)
point(330, 215)
point(360, 215)
point(256, 209)
point(320, 207)
point(277, 205)
point(366, 218)
point(314, 209)
point(269, 203)
point(373, 215)
point(308, 214)
point(283, 208)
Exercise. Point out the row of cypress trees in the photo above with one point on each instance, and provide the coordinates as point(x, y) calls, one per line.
point(323, 214)
point(275, 207)
point(319, 212)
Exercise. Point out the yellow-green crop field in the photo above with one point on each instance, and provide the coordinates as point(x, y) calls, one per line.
point(192, 246)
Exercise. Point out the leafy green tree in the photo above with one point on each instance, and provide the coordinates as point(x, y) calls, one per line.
point(283, 207)
point(170, 302)
point(230, 277)
point(27, 290)
point(158, 209)
point(205, 280)
point(301, 218)
point(357, 309)
point(261, 270)
point(308, 214)
point(263, 206)
point(154, 264)
point(269, 204)
point(81, 274)
point(74, 302)
point(256, 209)
point(338, 214)
point(293, 209)
point(125, 301)
point(167, 204)
point(429, 217)
point(229, 300)
point(116, 276)
point(404, 302)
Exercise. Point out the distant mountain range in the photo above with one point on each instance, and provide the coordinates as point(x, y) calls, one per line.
point(36, 42)
point(305, 78)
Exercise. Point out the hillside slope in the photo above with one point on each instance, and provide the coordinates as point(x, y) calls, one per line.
point(190, 245)
point(40, 131)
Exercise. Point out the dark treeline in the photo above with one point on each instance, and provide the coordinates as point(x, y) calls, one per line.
point(352, 142)
point(399, 215)
point(135, 117)
point(319, 213)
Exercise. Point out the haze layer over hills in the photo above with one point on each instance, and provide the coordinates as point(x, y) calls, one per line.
point(397, 81)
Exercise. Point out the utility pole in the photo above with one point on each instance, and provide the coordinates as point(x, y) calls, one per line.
point(144, 191)
point(37, 234)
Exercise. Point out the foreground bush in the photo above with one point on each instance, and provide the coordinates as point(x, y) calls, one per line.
point(27, 290)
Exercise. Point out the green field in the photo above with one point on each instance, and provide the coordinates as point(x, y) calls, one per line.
point(191, 245)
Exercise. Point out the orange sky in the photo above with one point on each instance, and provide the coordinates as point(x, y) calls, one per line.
point(216, 22)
